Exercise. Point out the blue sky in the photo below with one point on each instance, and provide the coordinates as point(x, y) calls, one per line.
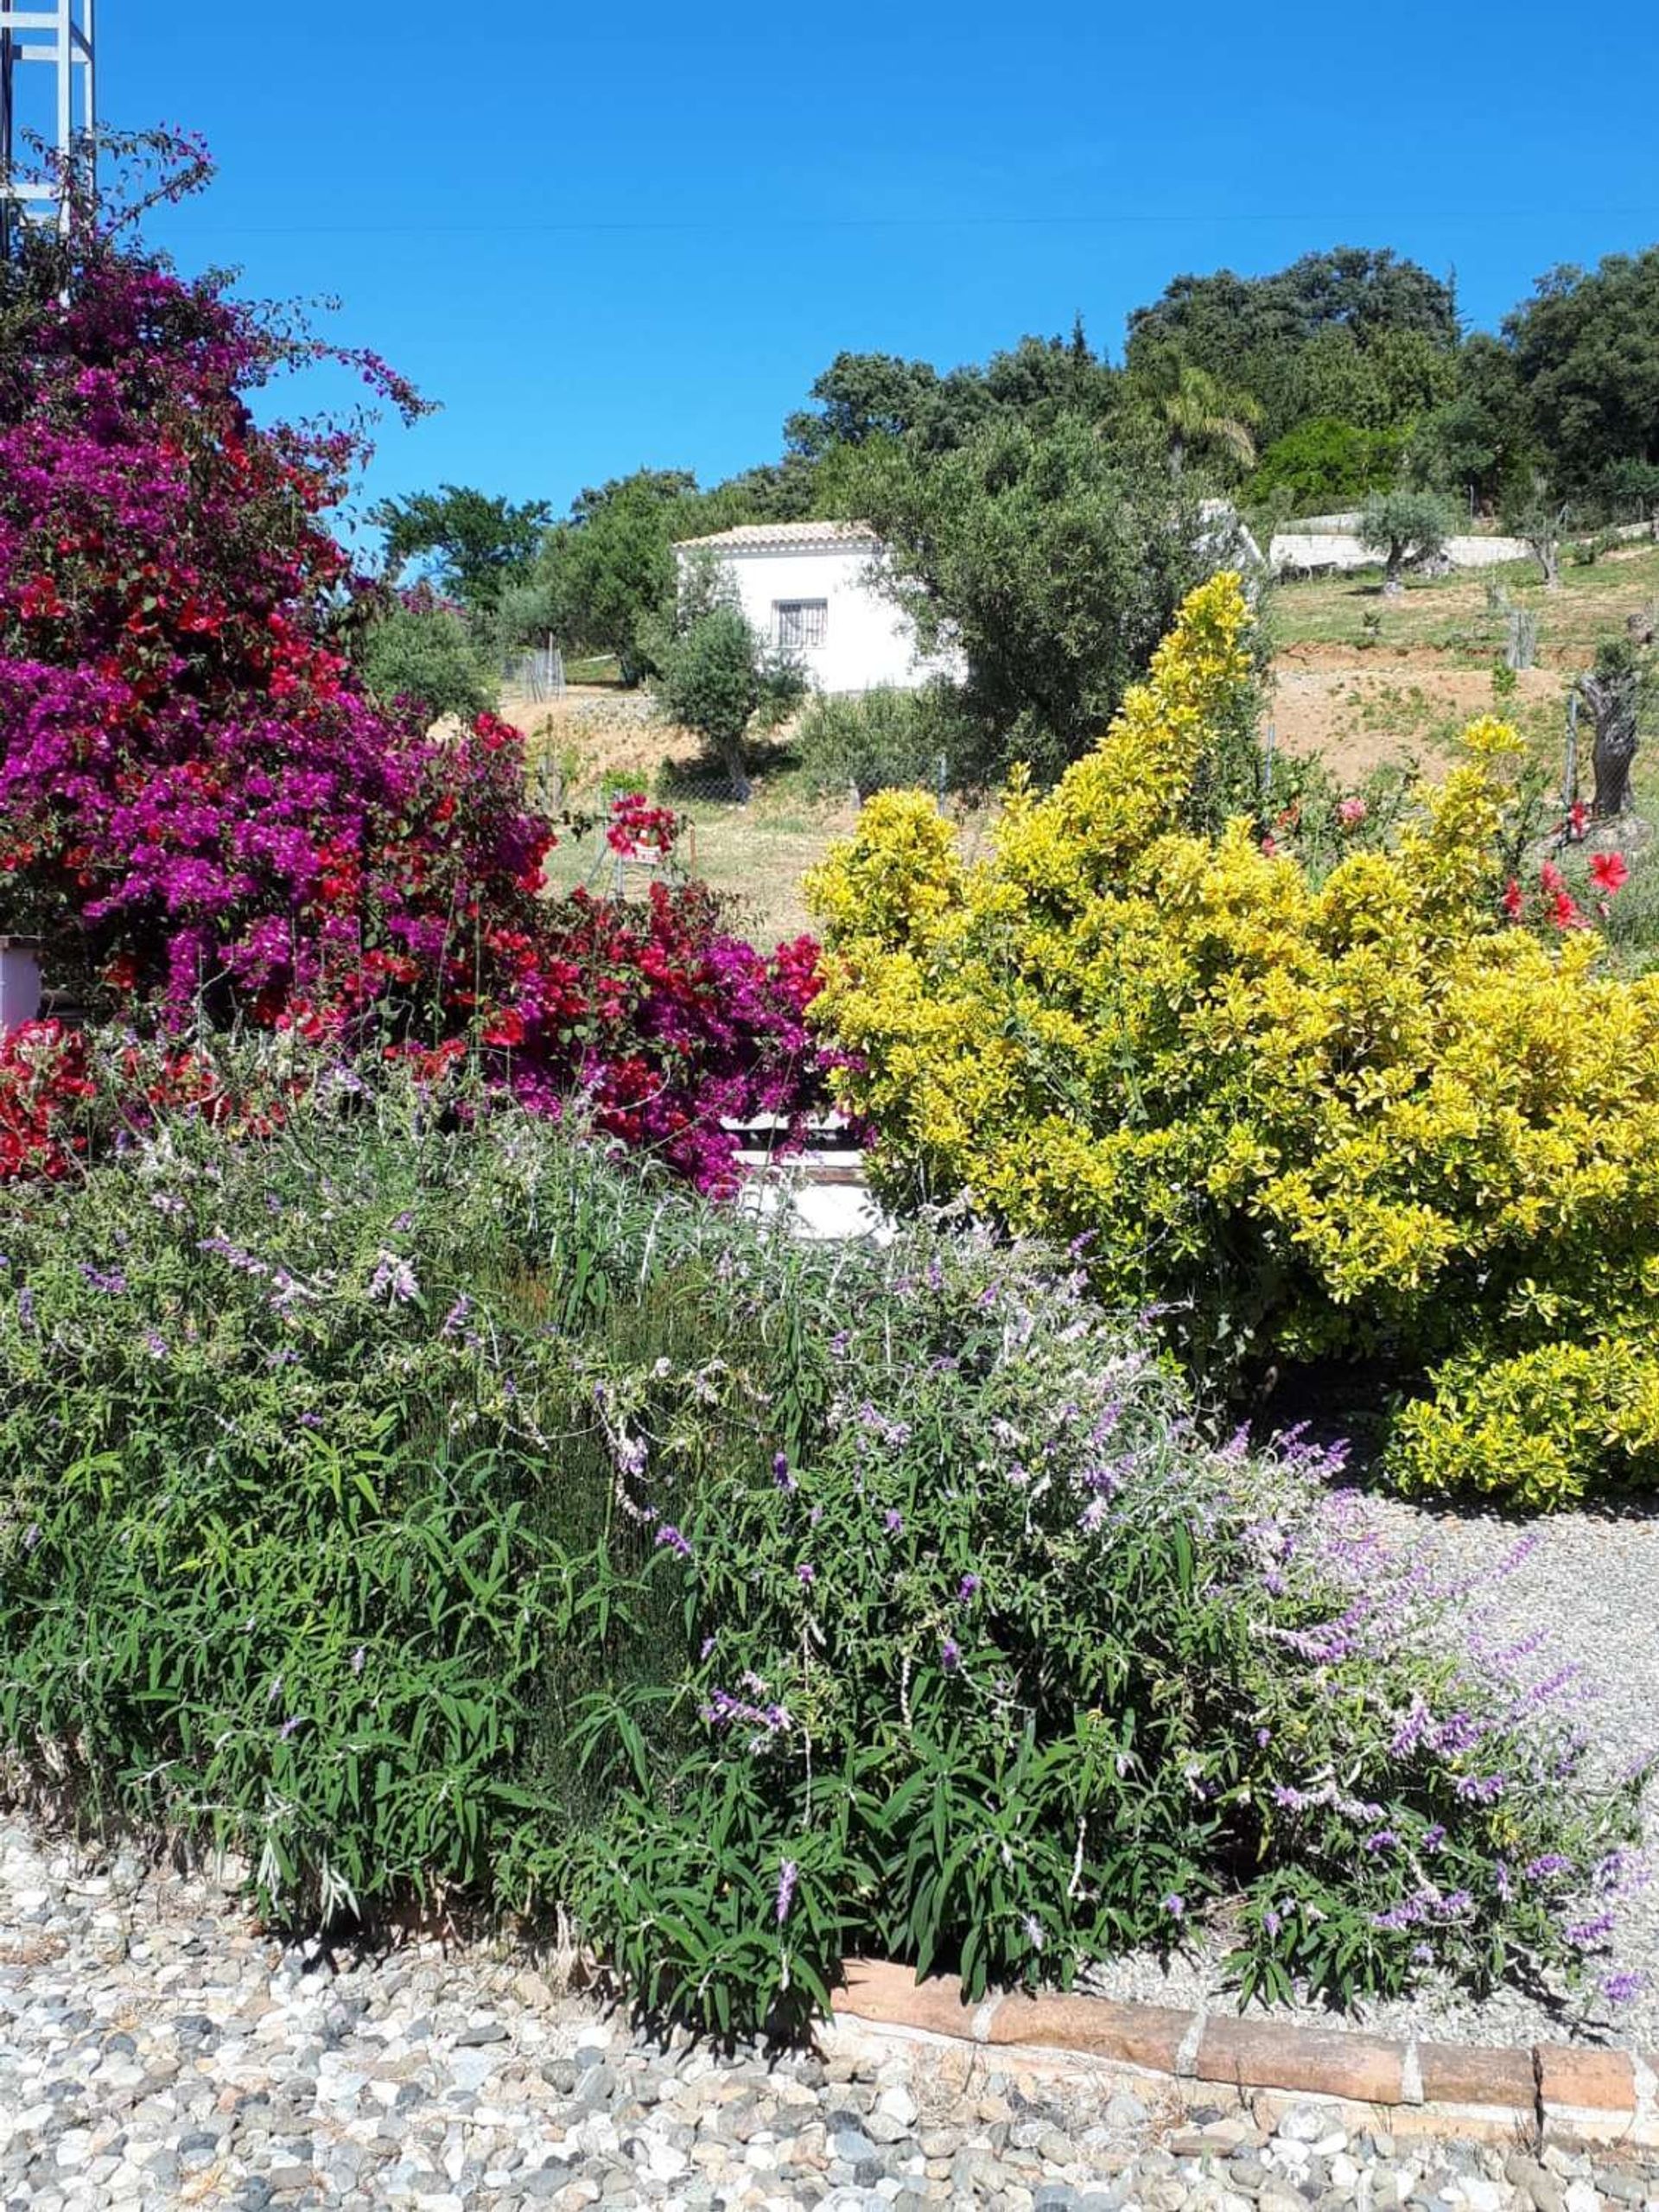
point(610, 238)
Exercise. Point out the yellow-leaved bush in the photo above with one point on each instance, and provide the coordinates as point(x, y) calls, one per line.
point(1360, 1118)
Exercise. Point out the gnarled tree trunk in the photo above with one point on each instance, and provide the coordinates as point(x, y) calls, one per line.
point(1611, 700)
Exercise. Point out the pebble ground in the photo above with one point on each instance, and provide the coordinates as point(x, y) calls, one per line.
point(156, 2049)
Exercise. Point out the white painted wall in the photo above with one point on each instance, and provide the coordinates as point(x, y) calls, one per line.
point(868, 642)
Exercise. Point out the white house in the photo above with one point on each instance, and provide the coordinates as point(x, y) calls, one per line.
point(811, 586)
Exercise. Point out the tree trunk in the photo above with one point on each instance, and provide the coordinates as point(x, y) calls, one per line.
point(737, 773)
point(1549, 560)
point(1612, 701)
point(1392, 585)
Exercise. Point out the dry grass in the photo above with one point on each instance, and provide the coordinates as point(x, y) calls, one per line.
point(599, 740)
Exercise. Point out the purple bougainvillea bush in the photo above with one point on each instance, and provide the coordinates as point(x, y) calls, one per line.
point(199, 805)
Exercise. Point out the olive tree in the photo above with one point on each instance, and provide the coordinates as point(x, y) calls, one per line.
point(717, 676)
point(1403, 525)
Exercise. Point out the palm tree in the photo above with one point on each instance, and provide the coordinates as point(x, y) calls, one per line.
point(1199, 413)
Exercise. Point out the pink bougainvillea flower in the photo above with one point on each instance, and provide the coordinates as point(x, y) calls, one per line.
point(1352, 812)
point(199, 799)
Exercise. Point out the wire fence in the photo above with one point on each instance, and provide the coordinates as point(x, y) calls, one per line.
point(537, 673)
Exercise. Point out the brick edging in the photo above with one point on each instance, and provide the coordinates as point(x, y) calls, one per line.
point(1576, 2092)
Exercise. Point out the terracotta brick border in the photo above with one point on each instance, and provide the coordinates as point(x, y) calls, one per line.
point(1571, 2091)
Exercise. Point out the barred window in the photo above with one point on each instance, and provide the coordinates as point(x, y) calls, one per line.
point(800, 622)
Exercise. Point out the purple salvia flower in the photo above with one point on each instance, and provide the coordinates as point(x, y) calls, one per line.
point(1586, 1933)
point(806, 1574)
point(893, 1521)
point(951, 1654)
point(669, 1534)
point(393, 1279)
point(786, 1874)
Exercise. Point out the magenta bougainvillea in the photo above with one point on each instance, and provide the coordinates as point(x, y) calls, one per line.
point(201, 803)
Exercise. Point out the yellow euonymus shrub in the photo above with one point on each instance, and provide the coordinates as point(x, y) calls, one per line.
point(1366, 1116)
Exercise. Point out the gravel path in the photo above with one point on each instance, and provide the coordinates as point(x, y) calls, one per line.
point(1594, 1581)
point(155, 2050)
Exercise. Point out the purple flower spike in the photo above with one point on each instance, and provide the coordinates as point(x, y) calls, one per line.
point(951, 1654)
point(786, 1875)
point(669, 1534)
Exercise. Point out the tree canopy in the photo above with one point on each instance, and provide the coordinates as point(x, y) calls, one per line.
point(479, 545)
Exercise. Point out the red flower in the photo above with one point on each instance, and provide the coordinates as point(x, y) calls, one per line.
point(1551, 880)
point(1609, 872)
point(507, 1028)
point(1564, 913)
point(1514, 903)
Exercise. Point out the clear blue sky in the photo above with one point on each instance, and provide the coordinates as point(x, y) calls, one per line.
point(609, 237)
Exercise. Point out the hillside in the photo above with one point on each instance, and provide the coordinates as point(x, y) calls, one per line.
point(1358, 680)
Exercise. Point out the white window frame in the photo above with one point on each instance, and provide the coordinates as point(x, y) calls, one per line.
point(807, 634)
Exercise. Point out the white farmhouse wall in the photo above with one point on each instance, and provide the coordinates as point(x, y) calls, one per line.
point(868, 642)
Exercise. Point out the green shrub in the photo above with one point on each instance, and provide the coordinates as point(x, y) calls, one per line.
point(418, 1499)
point(424, 651)
point(1324, 463)
point(885, 739)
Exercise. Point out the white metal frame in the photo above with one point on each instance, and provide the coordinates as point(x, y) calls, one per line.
point(57, 33)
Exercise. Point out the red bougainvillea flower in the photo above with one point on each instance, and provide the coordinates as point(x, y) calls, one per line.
point(1609, 872)
point(506, 1030)
point(1514, 903)
point(199, 798)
